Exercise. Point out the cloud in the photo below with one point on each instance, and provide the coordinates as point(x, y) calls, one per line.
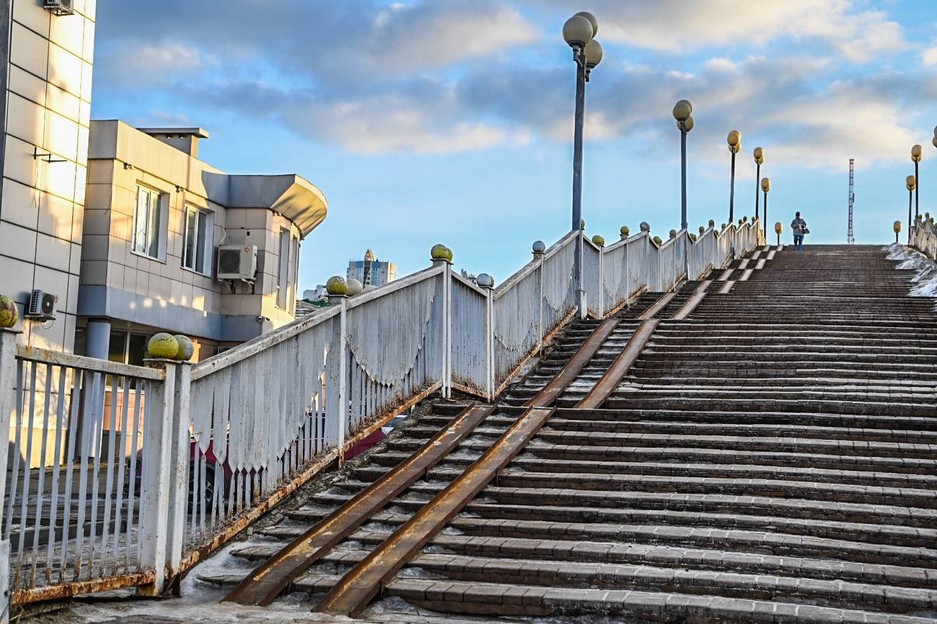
point(443, 77)
point(679, 27)
point(929, 55)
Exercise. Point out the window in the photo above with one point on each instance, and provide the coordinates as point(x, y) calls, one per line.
point(283, 270)
point(148, 221)
point(196, 244)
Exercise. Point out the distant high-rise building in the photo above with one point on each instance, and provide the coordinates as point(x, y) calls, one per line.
point(371, 271)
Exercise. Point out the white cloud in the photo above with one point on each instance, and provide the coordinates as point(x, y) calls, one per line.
point(676, 26)
point(929, 56)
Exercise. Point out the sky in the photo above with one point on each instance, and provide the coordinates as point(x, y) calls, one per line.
point(451, 121)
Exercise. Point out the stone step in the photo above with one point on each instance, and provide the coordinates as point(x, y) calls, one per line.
point(718, 503)
point(776, 444)
point(491, 599)
point(546, 572)
point(756, 540)
point(771, 457)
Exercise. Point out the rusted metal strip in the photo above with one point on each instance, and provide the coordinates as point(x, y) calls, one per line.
point(692, 302)
point(77, 588)
point(568, 374)
point(356, 589)
point(620, 366)
point(266, 582)
point(657, 307)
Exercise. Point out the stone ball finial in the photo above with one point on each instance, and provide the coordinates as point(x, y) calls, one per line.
point(162, 345)
point(440, 252)
point(645, 226)
point(702, 229)
point(657, 241)
point(598, 240)
point(485, 281)
point(336, 285)
point(582, 224)
point(673, 233)
point(354, 287)
point(539, 247)
point(186, 347)
point(712, 223)
point(8, 311)
point(625, 231)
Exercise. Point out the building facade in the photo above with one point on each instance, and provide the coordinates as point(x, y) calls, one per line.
point(173, 244)
point(45, 76)
point(371, 271)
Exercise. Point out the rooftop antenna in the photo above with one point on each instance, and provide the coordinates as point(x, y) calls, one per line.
point(852, 198)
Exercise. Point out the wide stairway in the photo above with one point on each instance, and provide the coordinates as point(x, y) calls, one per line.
point(771, 457)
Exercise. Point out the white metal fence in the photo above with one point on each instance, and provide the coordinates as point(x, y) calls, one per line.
point(121, 475)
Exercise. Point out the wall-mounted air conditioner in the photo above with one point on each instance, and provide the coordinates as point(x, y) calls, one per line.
point(41, 305)
point(59, 7)
point(237, 262)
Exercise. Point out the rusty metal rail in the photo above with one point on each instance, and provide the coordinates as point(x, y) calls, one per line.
point(355, 590)
point(269, 580)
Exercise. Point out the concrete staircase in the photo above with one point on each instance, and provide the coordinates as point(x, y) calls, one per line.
point(773, 457)
point(770, 458)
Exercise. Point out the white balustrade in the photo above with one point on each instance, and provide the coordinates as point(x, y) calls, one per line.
point(117, 471)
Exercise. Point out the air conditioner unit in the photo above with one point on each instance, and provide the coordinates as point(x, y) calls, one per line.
point(237, 262)
point(59, 7)
point(41, 305)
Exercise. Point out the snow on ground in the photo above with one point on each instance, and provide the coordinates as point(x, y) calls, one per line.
point(926, 277)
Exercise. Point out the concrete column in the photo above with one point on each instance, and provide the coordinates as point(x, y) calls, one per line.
point(99, 339)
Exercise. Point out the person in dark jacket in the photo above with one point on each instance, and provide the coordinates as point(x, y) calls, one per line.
point(799, 227)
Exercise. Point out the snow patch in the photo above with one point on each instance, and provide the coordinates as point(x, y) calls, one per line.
point(925, 269)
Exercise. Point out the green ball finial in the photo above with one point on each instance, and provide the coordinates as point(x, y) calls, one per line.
point(336, 286)
point(658, 241)
point(8, 312)
point(440, 252)
point(598, 240)
point(625, 230)
point(163, 345)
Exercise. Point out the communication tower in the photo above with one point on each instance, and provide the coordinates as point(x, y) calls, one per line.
point(852, 198)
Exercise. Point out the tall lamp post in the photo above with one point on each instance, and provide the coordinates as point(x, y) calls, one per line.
point(910, 183)
point(682, 112)
point(916, 157)
point(759, 155)
point(735, 144)
point(765, 187)
point(778, 228)
point(579, 32)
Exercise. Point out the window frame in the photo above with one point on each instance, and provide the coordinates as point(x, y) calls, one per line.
point(154, 213)
point(204, 240)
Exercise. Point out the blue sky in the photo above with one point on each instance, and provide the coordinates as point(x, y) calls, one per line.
point(451, 120)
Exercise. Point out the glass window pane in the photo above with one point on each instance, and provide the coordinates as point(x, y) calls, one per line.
point(152, 226)
point(200, 242)
point(189, 239)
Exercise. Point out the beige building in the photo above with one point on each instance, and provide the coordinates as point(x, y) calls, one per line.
point(173, 244)
point(45, 77)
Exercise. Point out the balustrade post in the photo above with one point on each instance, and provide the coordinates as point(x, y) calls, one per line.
point(158, 474)
point(447, 331)
point(601, 289)
point(7, 401)
point(342, 379)
point(180, 459)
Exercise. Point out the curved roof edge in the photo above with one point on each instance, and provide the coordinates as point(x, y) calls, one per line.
point(288, 195)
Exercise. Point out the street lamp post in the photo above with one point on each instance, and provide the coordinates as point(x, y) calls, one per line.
point(759, 155)
point(778, 228)
point(682, 112)
point(765, 187)
point(916, 157)
point(735, 144)
point(579, 32)
point(897, 227)
point(910, 183)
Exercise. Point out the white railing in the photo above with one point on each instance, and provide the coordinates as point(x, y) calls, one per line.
point(124, 475)
point(923, 237)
